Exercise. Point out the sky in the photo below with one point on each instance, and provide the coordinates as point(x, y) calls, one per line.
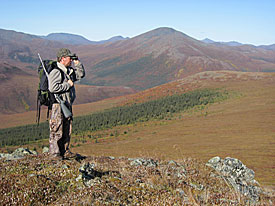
point(245, 21)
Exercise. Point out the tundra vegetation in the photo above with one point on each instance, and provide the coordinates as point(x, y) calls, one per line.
point(37, 180)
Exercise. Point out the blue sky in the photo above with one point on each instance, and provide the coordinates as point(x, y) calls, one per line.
point(245, 21)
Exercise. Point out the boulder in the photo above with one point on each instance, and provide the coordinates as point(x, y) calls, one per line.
point(45, 150)
point(18, 154)
point(144, 162)
point(235, 173)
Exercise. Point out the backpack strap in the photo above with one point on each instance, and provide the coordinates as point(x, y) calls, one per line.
point(38, 109)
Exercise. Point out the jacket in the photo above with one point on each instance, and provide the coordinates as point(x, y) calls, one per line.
point(58, 81)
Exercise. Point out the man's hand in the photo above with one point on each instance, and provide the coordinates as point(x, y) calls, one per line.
point(71, 82)
point(76, 62)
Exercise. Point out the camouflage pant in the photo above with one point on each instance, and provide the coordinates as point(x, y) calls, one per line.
point(60, 131)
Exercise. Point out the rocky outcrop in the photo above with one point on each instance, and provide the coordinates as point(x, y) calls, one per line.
point(89, 175)
point(236, 174)
point(142, 161)
point(18, 154)
point(126, 181)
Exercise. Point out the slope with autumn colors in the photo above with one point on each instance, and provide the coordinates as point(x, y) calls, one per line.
point(241, 126)
point(164, 54)
point(18, 90)
point(147, 60)
point(18, 74)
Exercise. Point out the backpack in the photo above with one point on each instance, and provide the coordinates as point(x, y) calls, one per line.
point(44, 96)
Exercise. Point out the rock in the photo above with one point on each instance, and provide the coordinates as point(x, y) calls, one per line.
point(65, 166)
point(18, 154)
point(78, 178)
point(34, 152)
point(238, 175)
point(214, 160)
point(144, 162)
point(45, 150)
point(22, 152)
point(196, 186)
point(181, 192)
point(89, 175)
point(172, 162)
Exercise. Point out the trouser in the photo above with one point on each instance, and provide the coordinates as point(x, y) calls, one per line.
point(60, 131)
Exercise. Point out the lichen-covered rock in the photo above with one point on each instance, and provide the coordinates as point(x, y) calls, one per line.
point(45, 150)
point(238, 176)
point(144, 162)
point(18, 154)
point(89, 175)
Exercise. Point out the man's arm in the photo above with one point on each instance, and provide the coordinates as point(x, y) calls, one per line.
point(55, 82)
point(79, 70)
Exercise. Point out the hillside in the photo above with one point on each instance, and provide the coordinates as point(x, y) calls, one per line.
point(240, 127)
point(162, 55)
point(147, 60)
point(18, 90)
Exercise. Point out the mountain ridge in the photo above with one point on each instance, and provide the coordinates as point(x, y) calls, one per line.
point(144, 61)
point(235, 43)
point(74, 39)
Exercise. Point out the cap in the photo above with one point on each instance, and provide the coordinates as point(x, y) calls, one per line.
point(64, 53)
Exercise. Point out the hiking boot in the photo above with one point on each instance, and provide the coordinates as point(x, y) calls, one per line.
point(69, 155)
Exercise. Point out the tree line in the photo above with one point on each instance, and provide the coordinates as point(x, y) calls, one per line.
point(155, 109)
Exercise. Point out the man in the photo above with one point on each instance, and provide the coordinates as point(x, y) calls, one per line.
point(61, 82)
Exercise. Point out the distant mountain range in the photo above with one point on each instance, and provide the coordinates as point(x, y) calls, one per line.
point(77, 39)
point(230, 43)
point(235, 43)
point(145, 61)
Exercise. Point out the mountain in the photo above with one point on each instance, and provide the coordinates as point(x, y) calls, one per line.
point(20, 48)
point(230, 43)
point(113, 39)
point(18, 74)
point(74, 39)
point(68, 38)
point(163, 55)
point(208, 41)
point(268, 47)
point(145, 61)
point(235, 43)
point(18, 90)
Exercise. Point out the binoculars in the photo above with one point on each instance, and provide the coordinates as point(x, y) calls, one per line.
point(74, 57)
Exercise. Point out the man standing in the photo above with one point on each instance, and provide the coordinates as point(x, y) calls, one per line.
point(61, 82)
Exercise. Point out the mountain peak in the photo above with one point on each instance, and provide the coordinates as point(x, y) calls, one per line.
point(165, 30)
point(208, 41)
point(162, 32)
